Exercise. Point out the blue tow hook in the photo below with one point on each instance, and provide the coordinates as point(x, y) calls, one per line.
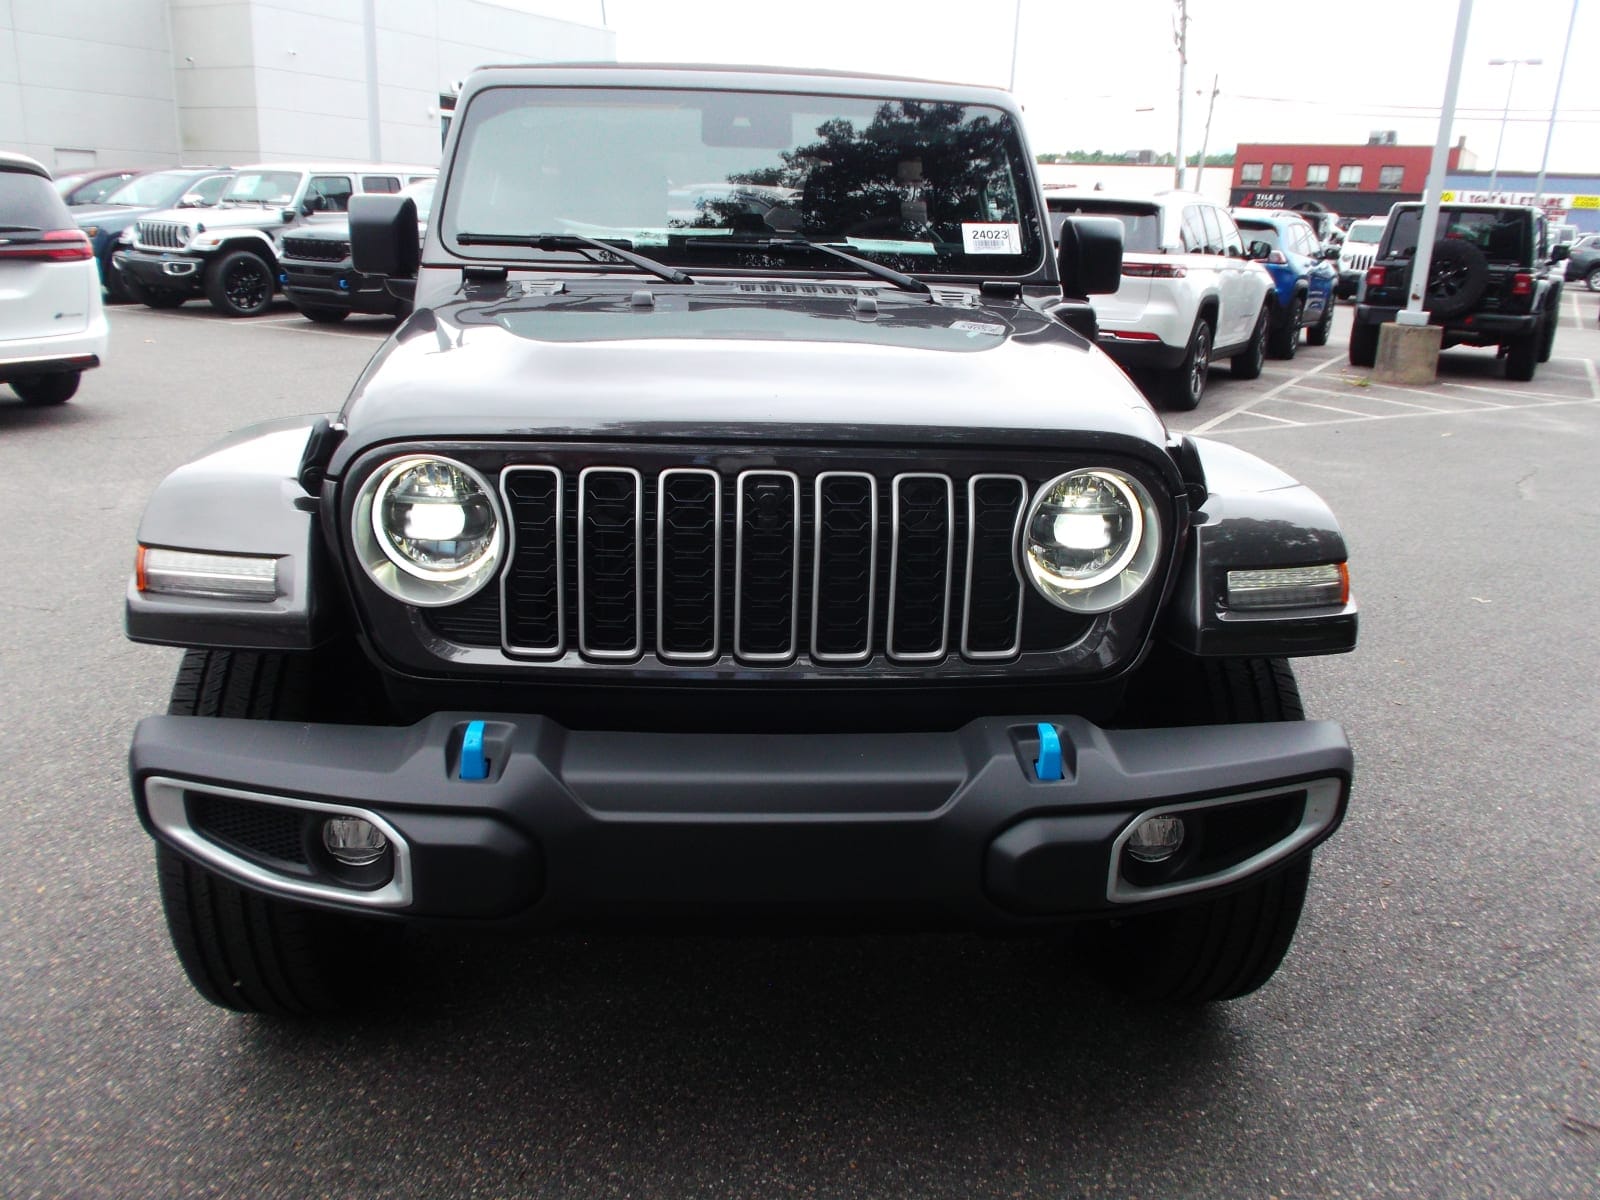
point(1048, 765)
point(473, 763)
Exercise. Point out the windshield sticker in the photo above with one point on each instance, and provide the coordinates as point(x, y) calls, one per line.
point(991, 237)
point(974, 328)
point(890, 246)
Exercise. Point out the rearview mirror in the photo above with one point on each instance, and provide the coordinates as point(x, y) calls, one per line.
point(1090, 256)
point(383, 235)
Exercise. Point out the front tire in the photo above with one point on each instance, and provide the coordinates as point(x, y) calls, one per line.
point(1319, 333)
point(152, 297)
point(40, 390)
point(1363, 344)
point(1248, 362)
point(1184, 385)
point(242, 950)
point(1592, 279)
point(1228, 946)
point(239, 284)
point(1285, 340)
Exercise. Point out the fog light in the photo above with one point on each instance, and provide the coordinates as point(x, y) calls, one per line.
point(353, 841)
point(1156, 839)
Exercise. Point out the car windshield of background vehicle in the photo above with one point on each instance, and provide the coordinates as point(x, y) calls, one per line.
point(262, 187)
point(920, 186)
point(422, 193)
point(1364, 233)
point(1500, 235)
point(160, 190)
point(1263, 232)
point(1141, 226)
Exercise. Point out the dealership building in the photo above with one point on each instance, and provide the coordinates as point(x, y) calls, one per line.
point(1353, 181)
point(87, 83)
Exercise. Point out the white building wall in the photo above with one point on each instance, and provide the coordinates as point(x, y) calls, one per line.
point(88, 82)
point(152, 82)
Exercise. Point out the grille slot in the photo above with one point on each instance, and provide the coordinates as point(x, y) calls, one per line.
point(992, 613)
point(534, 585)
point(258, 830)
point(688, 565)
point(844, 566)
point(919, 571)
point(610, 562)
point(766, 566)
point(165, 235)
point(316, 249)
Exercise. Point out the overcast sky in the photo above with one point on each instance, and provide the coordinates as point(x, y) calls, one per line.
point(1288, 71)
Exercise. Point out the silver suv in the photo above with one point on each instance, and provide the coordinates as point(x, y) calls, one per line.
point(230, 253)
point(1189, 294)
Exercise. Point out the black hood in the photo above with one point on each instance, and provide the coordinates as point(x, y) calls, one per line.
point(758, 362)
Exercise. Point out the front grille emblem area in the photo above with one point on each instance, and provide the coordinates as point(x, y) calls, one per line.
point(685, 565)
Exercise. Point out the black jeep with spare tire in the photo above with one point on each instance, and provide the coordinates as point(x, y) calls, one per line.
point(743, 529)
point(1490, 283)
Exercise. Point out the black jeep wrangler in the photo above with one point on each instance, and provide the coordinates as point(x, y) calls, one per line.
point(742, 529)
point(1490, 283)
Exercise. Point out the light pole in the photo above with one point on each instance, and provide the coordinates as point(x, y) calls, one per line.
point(1514, 63)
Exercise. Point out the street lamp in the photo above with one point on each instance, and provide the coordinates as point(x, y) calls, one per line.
point(1514, 63)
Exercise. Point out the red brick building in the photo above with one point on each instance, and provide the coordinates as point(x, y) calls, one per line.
point(1354, 181)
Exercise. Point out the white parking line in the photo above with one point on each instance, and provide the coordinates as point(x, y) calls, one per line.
point(1477, 387)
point(1369, 396)
point(1594, 380)
point(1577, 313)
point(1206, 426)
point(1406, 416)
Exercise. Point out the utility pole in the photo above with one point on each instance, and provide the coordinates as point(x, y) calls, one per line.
point(1205, 138)
point(1181, 35)
point(1016, 35)
point(1561, 73)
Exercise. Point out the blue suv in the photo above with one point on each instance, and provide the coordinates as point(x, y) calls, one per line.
point(1303, 280)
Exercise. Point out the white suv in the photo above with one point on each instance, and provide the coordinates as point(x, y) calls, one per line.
point(1189, 294)
point(1356, 255)
point(52, 327)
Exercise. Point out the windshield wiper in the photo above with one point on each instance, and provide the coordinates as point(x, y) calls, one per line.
point(20, 229)
point(802, 245)
point(575, 241)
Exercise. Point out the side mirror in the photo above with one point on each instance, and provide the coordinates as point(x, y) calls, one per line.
point(1330, 253)
point(1561, 253)
point(383, 235)
point(1258, 251)
point(1090, 256)
point(288, 216)
point(192, 200)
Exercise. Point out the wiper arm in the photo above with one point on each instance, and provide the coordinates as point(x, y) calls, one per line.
point(802, 245)
point(574, 241)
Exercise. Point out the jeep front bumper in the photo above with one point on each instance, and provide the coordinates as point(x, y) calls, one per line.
point(938, 829)
point(161, 269)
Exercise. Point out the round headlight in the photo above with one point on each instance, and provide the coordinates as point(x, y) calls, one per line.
point(428, 530)
point(1090, 540)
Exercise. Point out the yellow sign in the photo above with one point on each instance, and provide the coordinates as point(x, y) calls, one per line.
point(1586, 202)
point(1446, 197)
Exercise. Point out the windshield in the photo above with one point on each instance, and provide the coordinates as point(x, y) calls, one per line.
point(162, 189)
point(1364, 233)
point(422, 193)
point(1260, 231)
point(1499, 233)
point(1141, 225)
point(920, 186)
point(262, 187)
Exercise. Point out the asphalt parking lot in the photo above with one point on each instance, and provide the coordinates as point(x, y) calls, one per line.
point(1435, 1031)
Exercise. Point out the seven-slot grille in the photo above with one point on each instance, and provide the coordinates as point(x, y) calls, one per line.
point(316, 249)
point(1358, 260)
point(165, 235)
point(766, 566)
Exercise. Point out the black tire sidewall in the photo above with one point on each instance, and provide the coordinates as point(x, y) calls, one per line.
point(218, 272)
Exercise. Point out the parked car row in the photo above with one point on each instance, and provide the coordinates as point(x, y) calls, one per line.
point(231, 254)
point(1201, 284)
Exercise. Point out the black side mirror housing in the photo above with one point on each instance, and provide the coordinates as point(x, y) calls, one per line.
point(1258, 251)
point(1090, 256)
point(1561, 253)
point(383, 235)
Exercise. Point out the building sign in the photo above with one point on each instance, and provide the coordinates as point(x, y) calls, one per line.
point(1264, 200)
point(1552, 200)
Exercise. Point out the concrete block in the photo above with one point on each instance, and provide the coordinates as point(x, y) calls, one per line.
point(1407, 353)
